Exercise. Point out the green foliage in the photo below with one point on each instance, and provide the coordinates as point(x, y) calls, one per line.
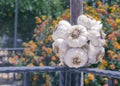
point(27, 11)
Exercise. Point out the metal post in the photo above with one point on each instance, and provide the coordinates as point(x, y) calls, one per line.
point(15, 23)
point(103, 2)
point(62, 78)
point(110, 81)
point(26, 81)
point(77, 79)
point(76, 8)
point(68, 78)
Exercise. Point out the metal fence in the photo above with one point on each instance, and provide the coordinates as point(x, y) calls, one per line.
point(64, 73)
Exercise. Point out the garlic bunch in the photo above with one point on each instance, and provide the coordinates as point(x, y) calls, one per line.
point(76, 57)
point(79, 45)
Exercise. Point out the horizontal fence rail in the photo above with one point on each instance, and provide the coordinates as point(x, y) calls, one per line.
point(115, 74)
point(62, 79)
point(11, 49)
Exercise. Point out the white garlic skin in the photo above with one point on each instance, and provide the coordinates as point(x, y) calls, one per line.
point(62, 47)
point(77, 36)
point(86, 21)
point(95, 53)
point(71, 55)
point(61, 30)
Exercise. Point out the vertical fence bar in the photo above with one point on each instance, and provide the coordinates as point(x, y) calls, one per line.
point(103, 2)
point(110, 81)
point(68, 78)
point(26, 79)
point(76, 9)
point(77, 79)
point(82, 79)
point(16, 23)
point(62, 78)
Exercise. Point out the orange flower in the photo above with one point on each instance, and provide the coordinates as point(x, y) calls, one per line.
point(49, 50)
point(116, 45)
point(38, 20)
point(41, 42)
point(30, 65)
point(101, 66)
point(25, 44)
point(44, 54)
point(84, 2)
point(44, 17)
point(91, 76)
point(55, 22)
point(117, 20)
point(41, 64)
point(112, 66)
point(87, 81)
point(106, 79)
point(99, 3)
point(104, 63)
point(35, 77)
point(44, 48)
point(53, 58)
point(12, 60)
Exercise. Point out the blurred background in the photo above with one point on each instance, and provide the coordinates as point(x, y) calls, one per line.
point(27, 10)
point(29, 24)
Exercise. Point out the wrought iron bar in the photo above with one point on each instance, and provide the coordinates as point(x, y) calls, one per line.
point(12, 49)
point(62, 78)
point(76, 8)
point(26, 81)
point(110, 74)
point(68, 78)
point(115, 74)
point(16, 23)
point(110, 81)
point(77, 79)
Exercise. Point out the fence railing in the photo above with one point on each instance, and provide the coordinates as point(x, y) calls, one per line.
point(65, 73)
point(63, 76)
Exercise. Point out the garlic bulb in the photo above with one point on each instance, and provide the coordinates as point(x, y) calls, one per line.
point(60, 48)
point(97, 27)
point(92, 34)
point(98, 42)
point(77, 36)
point(86, 21)
point(95, 54)
point(76, 57)
point(61, 31)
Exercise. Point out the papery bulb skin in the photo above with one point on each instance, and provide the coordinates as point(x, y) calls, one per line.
point(76, 57)
point(61, 30)
point(95, 54)
point(60, 47)
point(77, 36)
point(87, 21)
